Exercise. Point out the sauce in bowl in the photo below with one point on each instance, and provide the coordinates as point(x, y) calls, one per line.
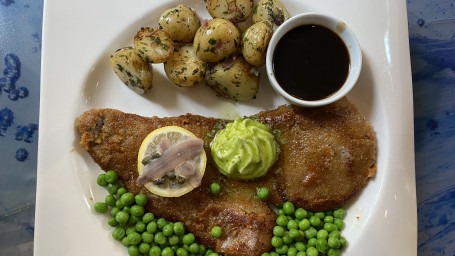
point(311, 62)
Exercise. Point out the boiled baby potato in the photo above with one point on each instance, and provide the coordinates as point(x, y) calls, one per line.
point(234, 79)
point(272, 11)
point(153, 45)
point(255, 41)
point(180, 23)
point(184, 68)
point(216, 40)
point(132, 70)
point(232, 10)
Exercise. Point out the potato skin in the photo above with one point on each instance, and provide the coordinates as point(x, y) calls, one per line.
point(180, 23)
point(272, 11)
point(216, 40)
point(132, 70)
point(184, 68)
point(233, 10)
point(234, 80)
point(153, 45)
point(255, 41)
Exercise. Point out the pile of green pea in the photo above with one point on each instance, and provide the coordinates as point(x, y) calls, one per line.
point(140, 231)
point(304, 233)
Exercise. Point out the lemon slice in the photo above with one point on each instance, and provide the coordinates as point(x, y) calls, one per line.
point(169, 185)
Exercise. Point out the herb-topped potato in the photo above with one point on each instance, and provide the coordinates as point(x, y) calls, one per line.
point(232, 10)
point(272, 11)
point(234, 79)
point(153, 45)
point(184, 68)
point(216, 40)
point(180, 23)
point(132, 70)
point(255, 41)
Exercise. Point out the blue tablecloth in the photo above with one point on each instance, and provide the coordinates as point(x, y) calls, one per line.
point(432, 44)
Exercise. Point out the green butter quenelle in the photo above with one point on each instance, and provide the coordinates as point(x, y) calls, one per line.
point(245, 149)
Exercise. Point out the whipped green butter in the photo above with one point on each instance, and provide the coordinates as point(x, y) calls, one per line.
point(245, 149)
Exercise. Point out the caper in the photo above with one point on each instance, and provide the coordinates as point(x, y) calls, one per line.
point(146, 160)
point(171, 175)
point(181, 180)
point(158, 181)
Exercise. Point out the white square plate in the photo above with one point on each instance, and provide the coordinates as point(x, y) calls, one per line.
point(79, 37)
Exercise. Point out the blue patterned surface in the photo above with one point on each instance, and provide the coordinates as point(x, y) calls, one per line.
point(432, 43)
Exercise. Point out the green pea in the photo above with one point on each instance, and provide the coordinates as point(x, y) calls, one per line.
point(339, 223)
point(134, 238)
point(114, 211)
point(181, 252)
point(292, 251)
point(121, 191)
point(330, 227)
point(140, 199)
point(278, 231)
point(155, 251)
point(133, 220)
point(322, 245)
point(152, 227)
point(168, 229)
point(315, 221)
point(282, 220)
point(213, 254)
point(287, 239)
point(147, 217)
point(118, 234)
point(292, 224)
point(294, 234)
point(112, 222)
point(312, 251)
point(100, 207)
point(300, 213)
point(110, 200)
point(304, 224)
point(208, 252)
point(301, 254)
point(173, 240)
point(265, 254)
point(101, 180)
point(122, 217)
point(194, 248)
point(322, 234)
point(274, 254)
point(216, 231)
point(334, 242)
point(262, 193)
point(276, 241)
point(179, 228)
point(335, 233)
point(133, 250)
point(343, 242)
point(310, 232)
point(328, 219)
point(167, 252)
point(174, 248)
point(282, 249)
point(119, 204)
point(188, 239)
point(288, 208)
point(215, 188)
point(137, 210)
point(125, 242)
point(202, 249)
point(161, 222)
point(127, 198)
point(333, 252)
point(339, 213)
point(130, 230)
point(312, 242)
point(300, 246)
point(147, 237)
point(280, 212)
point(111, 177)
point(112, 188)
point(321, 215)
point(140, 226)
point(160, 238)
point(144, 247)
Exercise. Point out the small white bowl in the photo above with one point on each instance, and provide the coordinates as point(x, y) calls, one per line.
point(338, 27)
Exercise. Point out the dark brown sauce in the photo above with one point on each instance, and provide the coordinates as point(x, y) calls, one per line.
point(311, 62)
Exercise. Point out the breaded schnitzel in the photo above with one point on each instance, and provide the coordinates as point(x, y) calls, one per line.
point(327, 156)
